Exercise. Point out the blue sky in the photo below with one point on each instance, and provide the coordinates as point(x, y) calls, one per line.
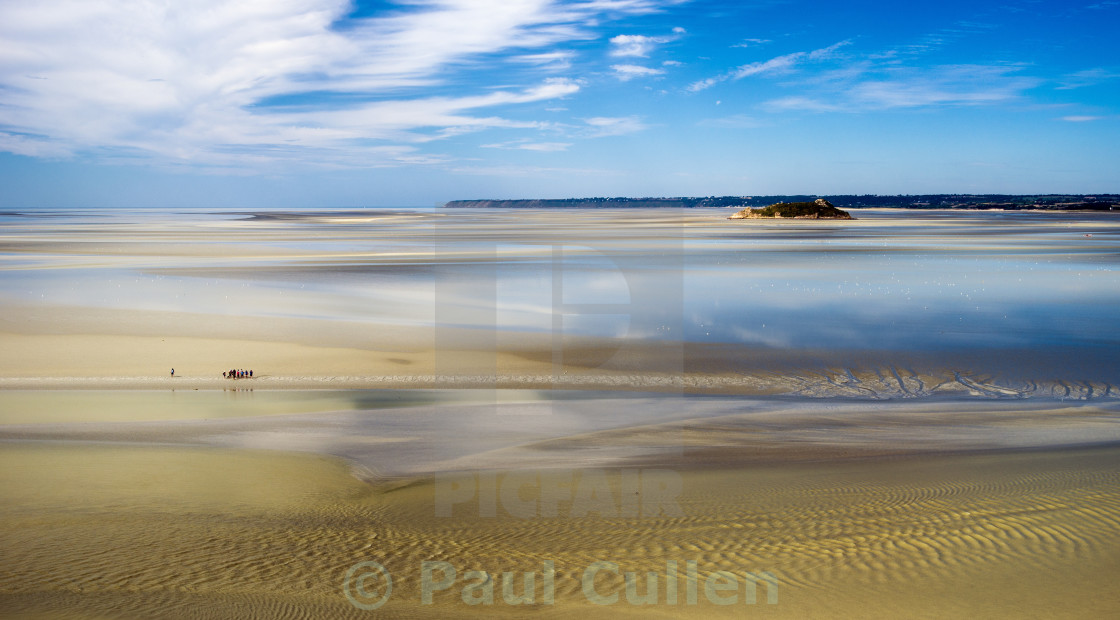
point(306, 103)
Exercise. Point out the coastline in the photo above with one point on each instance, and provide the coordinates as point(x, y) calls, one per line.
point(925, 202)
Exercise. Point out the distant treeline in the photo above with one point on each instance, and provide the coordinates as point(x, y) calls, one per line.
point(1054, 202)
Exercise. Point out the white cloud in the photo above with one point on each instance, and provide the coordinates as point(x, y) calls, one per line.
point(199, 82)
point(636, 7)
point(946, 85)
point(952, 35)
point(705, 83)
point(737, 121)
point(778, 64)
point(604, 126)
point(394, 119)
point(1088, 77)
point(797, 102)
point(525, 145)
point(774, 65)
point(629, 72)
point(553, 61)
point(752, 42)
point(1081, 118)
point(909, 87)
point(640, 46)
point(634, 45)
point(31, 146)
point(507, 171)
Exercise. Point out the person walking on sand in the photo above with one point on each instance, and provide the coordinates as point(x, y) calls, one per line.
point(172, 372)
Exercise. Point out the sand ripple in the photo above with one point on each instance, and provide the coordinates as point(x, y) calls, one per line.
point(860, 539)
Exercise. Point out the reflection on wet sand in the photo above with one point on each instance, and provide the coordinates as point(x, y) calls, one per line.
point(897, 303)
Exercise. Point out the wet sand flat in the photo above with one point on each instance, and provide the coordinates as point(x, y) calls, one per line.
point(95, 531)
point(913, 414)
point(853, 509)
point(894, 304)
point(399, 436)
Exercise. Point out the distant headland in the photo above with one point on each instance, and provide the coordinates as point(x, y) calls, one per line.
point(819, 209)
point(1007, 202)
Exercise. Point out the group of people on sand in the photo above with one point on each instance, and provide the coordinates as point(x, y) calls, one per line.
point(238, 374)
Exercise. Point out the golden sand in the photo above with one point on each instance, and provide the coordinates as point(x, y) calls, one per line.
point(133, 504)
point(137, 532)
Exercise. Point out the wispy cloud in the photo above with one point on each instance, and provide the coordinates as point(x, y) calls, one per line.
point(941, 38)
point(1081, 119)
point(850, 81)
point(910, 87)
point(774, 65)
point(640, 46)
point(253, 81)
point(394, 119)
point(778, 64)
point(506, 171)
point(801, 103)
point(604, 126)
point(553, 61)
point(955, 84)
point(1088, 77)
point(526, 145)
point(629, 72)
point(752, 42)
point(736, 121)
point(633, 45)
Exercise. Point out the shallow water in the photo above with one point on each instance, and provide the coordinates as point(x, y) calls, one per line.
point(1027, 288)
point(892, 280)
